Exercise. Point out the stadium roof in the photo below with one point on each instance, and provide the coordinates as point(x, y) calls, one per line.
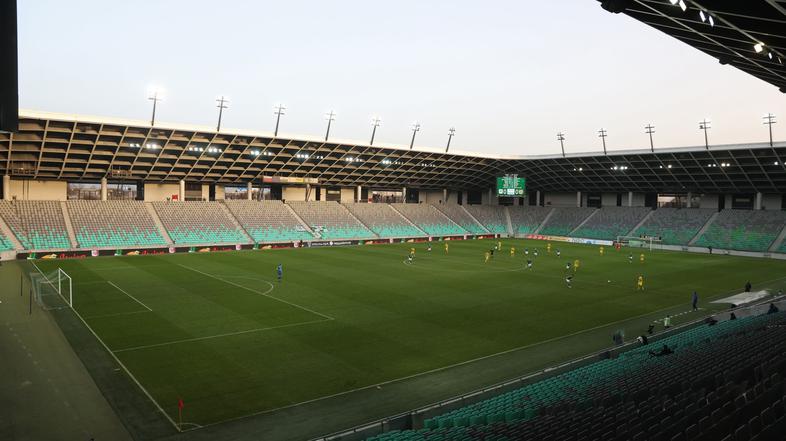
point(747, 34)
point(86, 149)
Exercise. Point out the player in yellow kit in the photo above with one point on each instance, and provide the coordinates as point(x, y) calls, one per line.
point(601, 250)
point(512, 251)
point(446, 247)
point(412, 251)
point(488, 256)
point(640, 283)
point(499, 246)
point(641, 257)
point(548, 247)
point(576, 264)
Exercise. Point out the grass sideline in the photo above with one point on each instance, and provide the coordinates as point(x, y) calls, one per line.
point(218, 331)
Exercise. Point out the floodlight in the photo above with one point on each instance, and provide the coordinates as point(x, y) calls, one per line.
point(683, 6)
point(703, 17)
point(758, 47)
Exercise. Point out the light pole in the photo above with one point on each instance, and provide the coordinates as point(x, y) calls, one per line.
point(602, 134)
point(331, 116)
point(769, 120)
point(222, 104)
point(705, 125)
point(155, 99)
point(278, 110)
point(451, 133)
point(374, 124)
point(415, 130)
point(650, 129)
point(561, 139)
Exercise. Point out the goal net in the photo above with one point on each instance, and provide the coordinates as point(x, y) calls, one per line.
point(649, 243)
point(52, 290)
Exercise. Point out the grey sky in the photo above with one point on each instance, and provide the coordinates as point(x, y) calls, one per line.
point(507, 74)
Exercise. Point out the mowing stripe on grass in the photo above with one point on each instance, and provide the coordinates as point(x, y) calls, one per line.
point(227, 334)
point(325, 316)
point(117, 360)
point(115, 314)
point(129, 295)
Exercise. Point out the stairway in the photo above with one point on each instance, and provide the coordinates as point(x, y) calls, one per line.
point(584, 222)
point(69, 227)
point(302, 222)
point(777, 244)
point(159, 224)
point(235, 221)
point(352, 215)
point(510, 224)
point(407, 219)
point(641, 222)
point(542, 224)
point(10, 235)
point(704, 228)
point(476, 219)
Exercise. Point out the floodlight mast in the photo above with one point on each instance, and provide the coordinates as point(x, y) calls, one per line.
point(561, 139)
point(155, 99)
point(222, 104)
point(451, 133)
point(330, 116)
point(415, 130)
point(278, 111)
point(374, 124)
point(769, 120)
point(602, 134)
point(705, 125)
point(650, 129)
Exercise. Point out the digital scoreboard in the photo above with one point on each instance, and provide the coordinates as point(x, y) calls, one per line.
point(511, 186)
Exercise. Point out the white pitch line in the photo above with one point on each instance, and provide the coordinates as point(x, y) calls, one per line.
point(114, 314)
point(259, 292)
point(227, 334)
point(129, 295)
point(120, 363)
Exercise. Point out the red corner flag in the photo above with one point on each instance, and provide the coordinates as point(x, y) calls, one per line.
point(180, 404)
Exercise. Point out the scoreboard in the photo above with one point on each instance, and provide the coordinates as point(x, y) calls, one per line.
point(511, 186)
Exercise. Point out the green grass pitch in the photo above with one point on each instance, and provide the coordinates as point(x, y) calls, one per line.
point(218, 330)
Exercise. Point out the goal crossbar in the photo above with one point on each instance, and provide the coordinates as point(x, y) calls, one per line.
point(639, 242)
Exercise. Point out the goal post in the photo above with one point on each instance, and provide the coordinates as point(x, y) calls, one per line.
point(52, 290)
point(649, 243)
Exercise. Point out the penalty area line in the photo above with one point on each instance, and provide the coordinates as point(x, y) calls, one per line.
point(226, 334)
point(265, 293)
point(129, 295)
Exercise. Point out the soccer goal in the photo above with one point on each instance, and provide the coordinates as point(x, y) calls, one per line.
point(639, 242)
point(53, 290)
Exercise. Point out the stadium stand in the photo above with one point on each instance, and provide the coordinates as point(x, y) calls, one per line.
point(565, 219)
point(5, 244)
point(195, 222)
point(643, 396)
point(330, 220)
point(457, 214)
point(268, 221)
point(113, 224)
point(383, 220)
point(37, 224)
point(747, 230)
point(675, 226)
point(610, 222)
point(491, 216)
point(429, 219)
point(525, 220)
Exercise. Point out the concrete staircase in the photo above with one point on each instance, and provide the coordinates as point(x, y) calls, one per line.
point(509, 222)
point(476, 219)
point(641, 222)
point(302, 222)
point(449, 219)
point(159, 224)
point(352, 215)
point(704, 228)
point(10, 235)
point(584, 221)
point(778, 241)
point(407, 220)
point(69, 227)
point(235, 221)
point(542, 224)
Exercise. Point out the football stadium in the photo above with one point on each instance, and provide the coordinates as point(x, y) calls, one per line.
point(183, 281)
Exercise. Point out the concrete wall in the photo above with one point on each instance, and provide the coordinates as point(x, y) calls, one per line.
point(638, 199)
point(205, 192)
point(710, 201)
point(434, 196)
point(38, 190)
point(220, 193)
point(348, 194)
point(561, 199)
point(296, 193)
point(771, 202)
point(160, 192)
point(484, 198)
point(610, 199)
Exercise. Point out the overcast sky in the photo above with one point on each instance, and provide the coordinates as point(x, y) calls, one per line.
point(507, 74)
